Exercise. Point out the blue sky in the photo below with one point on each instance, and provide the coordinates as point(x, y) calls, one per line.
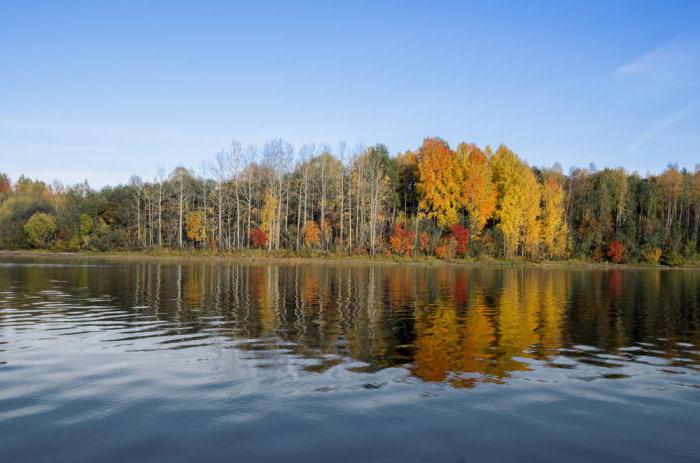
point(100, 90)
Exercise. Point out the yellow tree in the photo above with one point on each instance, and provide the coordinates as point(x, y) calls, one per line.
point(477, 192)
point(554, 229)
point(438, 182)
point(269, 213)
point(518, 202)
point(194, 225)
point(531, 234)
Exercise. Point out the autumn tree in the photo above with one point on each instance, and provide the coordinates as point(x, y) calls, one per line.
point(438, 182)
point(477, 192)
point(268, 216)
point(194, 224)
point(554, 229)
point(264, 196)
point(518, 200)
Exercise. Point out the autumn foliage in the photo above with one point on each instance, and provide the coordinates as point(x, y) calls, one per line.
point(477, 191)
point(258, 238)
point(461, 235)
point(401, 240)
point(194, 224)
point(616, 251)
point(433, 200)
point(438, 182)
point(312, 233)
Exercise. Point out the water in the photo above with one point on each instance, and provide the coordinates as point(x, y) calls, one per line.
point(222, 361)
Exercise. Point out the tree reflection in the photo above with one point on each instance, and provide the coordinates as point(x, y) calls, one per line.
point(446, 324)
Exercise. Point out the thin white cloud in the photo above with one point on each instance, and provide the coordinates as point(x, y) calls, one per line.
point(660, 127)
point(672, 65)
point(642, 64)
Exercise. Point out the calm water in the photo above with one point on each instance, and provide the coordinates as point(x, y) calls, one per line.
point(117, 361)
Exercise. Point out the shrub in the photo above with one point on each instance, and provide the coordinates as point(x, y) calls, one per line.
point(672, 258)
point(616, 251)
point(461, 235)
point(401, 240)
point(651, 255)
point(258, 238)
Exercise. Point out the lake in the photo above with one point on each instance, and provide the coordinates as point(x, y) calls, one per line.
point(231, 361)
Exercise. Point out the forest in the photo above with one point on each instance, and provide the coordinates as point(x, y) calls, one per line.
point(466, 202)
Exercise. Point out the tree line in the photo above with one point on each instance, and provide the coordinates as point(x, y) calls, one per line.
point(436, 200)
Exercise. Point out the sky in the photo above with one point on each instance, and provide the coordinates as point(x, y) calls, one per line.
point(99, 91)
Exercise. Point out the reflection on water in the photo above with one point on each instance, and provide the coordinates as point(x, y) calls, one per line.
point(456, 328)
point(461, 326)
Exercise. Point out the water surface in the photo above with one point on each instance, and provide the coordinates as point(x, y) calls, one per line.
point(227, 361)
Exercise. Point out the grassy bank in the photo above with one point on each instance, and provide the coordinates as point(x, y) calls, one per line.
point(251, 255)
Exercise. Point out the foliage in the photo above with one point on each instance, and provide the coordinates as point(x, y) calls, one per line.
point(651, 255)
point(14, 213)
point(312, 233)
point(518, 200)
point(40, 229)
point(366, 201)
point(446, 248)
point(438, 182)
point(672, 258)
point(442, 251)
point(194, 224)
point(461, 235)
point(616, 251)
point(555, 231)
point(477, 192)
point(401, 240)
point(4, 184)
point(269, 212)
point(258, 238)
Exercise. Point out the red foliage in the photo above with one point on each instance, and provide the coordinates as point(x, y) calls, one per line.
point(616, 251)
point(4, 184)
point(258, 238)
point(401, 240)
point(462, 235)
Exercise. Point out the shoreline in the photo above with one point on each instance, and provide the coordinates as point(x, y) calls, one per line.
point(251, 256)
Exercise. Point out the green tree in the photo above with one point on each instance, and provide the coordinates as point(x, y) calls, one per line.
point(40, 229)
